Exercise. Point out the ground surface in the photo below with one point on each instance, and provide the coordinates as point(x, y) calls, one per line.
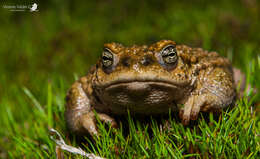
point(42, 53)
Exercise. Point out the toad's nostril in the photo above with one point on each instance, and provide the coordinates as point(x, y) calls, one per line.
point(147, 60)
point(126, 61)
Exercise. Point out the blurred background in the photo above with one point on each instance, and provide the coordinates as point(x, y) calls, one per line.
point(49, 48)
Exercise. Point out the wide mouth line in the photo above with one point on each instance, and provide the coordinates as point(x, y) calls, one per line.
point(129, 81)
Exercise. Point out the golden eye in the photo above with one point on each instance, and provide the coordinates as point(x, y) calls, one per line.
point(107, 58)
point(169, 54)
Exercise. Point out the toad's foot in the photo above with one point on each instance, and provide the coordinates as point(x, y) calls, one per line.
point(197, 103)
point(191, 109)
point(88, 122)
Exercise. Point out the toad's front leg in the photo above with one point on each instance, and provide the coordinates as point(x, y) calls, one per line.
point(79, 113)
point(215, 91)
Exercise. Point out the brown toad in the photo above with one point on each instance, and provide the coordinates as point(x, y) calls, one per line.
point(150, 80)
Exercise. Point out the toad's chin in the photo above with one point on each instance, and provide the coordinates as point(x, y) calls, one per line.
point(141, 97)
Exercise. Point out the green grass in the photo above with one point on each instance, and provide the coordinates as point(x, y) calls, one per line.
point(42, 53)
point(234, 133)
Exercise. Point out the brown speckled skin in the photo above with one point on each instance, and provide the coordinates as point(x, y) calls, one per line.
point(139, 82)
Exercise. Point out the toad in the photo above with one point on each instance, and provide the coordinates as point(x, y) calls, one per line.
point(149, 80)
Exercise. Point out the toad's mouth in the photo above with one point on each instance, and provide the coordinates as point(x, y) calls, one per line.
point(140, 83)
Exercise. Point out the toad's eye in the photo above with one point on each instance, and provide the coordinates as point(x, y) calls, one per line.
point(169, 54)
point(107, 58)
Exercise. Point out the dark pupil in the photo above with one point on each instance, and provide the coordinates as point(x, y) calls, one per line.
point(106, 58)
point(171, 54)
